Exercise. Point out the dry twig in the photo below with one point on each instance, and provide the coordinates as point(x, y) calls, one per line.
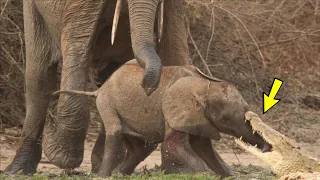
point(199, 53)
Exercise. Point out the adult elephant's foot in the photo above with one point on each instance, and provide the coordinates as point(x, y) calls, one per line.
point(64, 135)
point(64, 147)
point(27, 158)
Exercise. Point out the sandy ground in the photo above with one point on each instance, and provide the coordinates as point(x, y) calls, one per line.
point(226, 148)
point(8, 146)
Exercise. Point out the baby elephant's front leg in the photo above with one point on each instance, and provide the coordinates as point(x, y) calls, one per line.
point(203, 147)
point(179, 157)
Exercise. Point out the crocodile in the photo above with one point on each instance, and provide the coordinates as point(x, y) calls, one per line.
point(285, 158)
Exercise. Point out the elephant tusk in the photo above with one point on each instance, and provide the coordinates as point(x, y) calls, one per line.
point(115, 20)
point(160, 21)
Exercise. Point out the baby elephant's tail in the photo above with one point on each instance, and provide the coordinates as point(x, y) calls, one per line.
point(93, 93)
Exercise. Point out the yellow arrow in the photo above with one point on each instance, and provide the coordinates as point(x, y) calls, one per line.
point(269, 100)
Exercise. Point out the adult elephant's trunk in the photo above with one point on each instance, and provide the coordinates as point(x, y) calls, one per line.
point(142, 18)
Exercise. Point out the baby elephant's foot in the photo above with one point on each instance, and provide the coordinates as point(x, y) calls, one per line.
point(203, 148)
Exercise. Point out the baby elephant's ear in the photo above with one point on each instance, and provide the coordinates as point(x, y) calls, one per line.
point(184, 106)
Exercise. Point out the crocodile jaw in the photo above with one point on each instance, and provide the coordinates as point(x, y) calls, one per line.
point(284, 156)
point(272, 158)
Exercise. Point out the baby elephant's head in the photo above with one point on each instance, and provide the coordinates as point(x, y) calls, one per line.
point(205, 108)
point(226, 109)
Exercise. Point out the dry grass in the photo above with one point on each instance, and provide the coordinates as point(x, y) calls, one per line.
point(251, 42)
point(12, 62)
point(247, 43)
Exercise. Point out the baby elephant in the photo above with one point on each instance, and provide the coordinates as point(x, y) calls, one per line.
point(185, 112)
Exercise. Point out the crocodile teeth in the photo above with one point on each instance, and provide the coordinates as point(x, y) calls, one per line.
point(254, 132)
point(240, 138)
point(256, 145)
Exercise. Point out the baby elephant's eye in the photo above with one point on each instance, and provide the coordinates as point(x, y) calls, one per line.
point(226, 120)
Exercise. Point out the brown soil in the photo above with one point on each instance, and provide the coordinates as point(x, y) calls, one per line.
point(9, 144)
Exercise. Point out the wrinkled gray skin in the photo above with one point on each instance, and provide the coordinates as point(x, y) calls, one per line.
point(185, 112)
point(78, 32)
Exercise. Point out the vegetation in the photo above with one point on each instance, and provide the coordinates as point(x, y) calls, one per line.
point(157, 175)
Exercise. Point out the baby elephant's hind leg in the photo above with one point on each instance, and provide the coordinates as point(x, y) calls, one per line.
point(114, 146)
point(178, 156)
point(137, 151)
point(203, 147)
point(98, 150)
point(114, 153)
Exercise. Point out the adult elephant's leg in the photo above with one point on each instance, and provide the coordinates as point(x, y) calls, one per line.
point(173, 47)
point(203, 147)
point(40, 78)
point(63, 139)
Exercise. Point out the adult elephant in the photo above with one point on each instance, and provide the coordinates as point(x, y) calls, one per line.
point(78, 32)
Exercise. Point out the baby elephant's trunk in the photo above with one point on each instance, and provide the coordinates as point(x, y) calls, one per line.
point(93, 93)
